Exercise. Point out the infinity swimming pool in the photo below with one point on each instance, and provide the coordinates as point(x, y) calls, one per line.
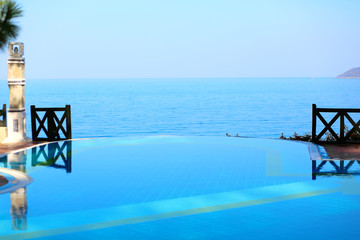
point(170, 187)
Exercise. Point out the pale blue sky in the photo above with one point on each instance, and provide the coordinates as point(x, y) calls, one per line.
point(188, 38)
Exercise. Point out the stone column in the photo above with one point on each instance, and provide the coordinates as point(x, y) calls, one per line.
point(16, 115)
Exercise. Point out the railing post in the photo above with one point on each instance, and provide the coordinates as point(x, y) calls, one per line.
point(342, 127)
point(51, 125)
point(33, 123)
point(68, 121)
point(314, 112)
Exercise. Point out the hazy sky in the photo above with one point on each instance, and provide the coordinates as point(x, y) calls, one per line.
point(188, 38)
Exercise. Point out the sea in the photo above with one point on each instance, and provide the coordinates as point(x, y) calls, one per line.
point(249, 107)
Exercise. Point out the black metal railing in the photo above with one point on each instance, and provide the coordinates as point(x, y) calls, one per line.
point(344, 135)
point(57, 128)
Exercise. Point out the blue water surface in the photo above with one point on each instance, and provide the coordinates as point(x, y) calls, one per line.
point(256, 107)
point(178, 187)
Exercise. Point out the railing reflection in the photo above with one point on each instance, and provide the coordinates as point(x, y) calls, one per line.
point(51, 153)
point(337, 168)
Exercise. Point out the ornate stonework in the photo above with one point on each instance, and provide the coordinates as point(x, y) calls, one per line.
point(16, 49)
point(16, 116)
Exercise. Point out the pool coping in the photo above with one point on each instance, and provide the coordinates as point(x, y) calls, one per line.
point(316, 151)
point(14, 148)
point(37, 144)
point(320, 153)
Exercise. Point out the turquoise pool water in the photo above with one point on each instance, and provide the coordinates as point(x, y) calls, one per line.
point(170, 187)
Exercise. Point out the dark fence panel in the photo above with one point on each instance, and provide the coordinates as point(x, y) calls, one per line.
point(340, 113)
point(3, 115)
point(55, 125)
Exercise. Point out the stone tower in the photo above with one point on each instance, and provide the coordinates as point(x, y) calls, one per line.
point(16, 115)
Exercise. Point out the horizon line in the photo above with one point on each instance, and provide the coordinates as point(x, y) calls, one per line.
point(123, 78)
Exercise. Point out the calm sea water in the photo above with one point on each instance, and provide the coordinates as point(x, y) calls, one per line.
point(254, 107)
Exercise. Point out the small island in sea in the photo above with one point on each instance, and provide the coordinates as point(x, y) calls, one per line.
point(352, 73)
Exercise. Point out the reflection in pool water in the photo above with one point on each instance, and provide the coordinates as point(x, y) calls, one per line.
point(18, 209)
point(51, 153)
point(176, 188)
point(335, 168)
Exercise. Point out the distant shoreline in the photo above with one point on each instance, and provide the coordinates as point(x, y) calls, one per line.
point(347, 77)
point(352, 73)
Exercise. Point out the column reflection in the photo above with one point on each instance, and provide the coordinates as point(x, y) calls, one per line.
point(19, 207)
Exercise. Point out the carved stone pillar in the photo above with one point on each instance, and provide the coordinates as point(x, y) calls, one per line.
point(16, 115)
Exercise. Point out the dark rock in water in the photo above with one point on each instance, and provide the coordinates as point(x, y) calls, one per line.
point(352, 73)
